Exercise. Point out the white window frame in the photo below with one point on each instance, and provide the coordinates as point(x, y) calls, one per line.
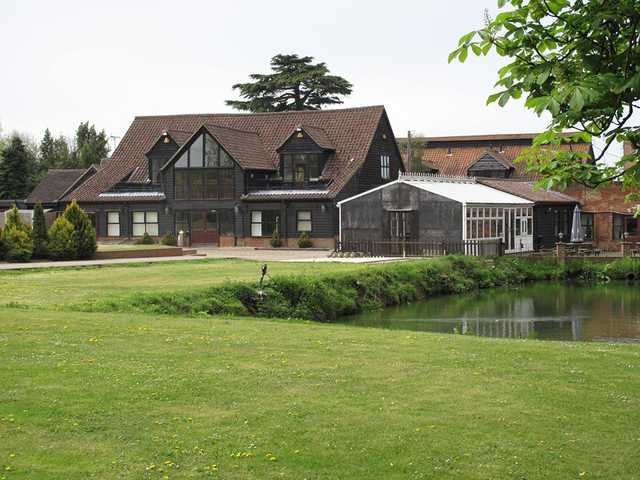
point(148, 226)
point(116, 233)
point(307, 222)
point(256, 223)
point(385, 166)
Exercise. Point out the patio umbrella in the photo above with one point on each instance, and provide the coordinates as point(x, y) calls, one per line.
point(577, 235)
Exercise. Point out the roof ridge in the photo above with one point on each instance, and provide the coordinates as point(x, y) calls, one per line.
point(234, 114)
point(434, 177)
point(229, 128)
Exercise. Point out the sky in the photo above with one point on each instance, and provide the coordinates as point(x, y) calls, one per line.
point(67, 61)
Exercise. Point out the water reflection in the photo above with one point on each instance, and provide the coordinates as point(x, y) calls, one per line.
point(545, 311)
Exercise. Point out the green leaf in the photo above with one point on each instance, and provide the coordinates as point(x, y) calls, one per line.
point(463, 54)
point(453, 55)
point(577, 100)
point(504, 98)
point(466, 38)
point(476, 49)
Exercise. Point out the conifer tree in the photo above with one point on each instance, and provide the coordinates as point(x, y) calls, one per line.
point(15, 172)
point(39, 233)
point(84, 235)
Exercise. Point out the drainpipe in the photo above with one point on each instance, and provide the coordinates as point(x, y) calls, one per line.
point(340, 225)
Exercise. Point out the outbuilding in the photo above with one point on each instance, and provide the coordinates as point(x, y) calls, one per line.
point(427, 209)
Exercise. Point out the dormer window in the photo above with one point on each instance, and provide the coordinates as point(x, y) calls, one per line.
point(302, 167)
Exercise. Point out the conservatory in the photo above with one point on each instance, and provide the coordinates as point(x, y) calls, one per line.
point(431, 208)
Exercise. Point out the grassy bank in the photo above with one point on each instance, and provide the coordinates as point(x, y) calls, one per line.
point(56, 287)
point(328, 296)
point(93, 395)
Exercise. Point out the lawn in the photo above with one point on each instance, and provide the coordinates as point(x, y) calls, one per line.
point(54, 287)
point(95, 395)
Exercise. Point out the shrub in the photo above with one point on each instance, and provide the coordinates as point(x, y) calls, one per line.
point(39, 233)
point(84, 235)
point(14, 220)
point(169, 239)
point(275, 239)
point(61, 244)
point(145, 240)
point(18, 244)
point(304, 241)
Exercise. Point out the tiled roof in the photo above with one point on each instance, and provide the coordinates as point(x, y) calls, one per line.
point(56, 183)
point(527, 190)
point(485, 138)
point(499, 157)
point(350, 130)
point(245, 147)
point(457, 159)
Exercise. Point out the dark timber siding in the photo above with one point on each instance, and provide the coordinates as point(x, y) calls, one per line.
point(548, 219)
point(159, 155)
point(487, 166)
point(300, 145)
point(366, 218)
point(369, 175)
point(323, 224)
point(165, 221)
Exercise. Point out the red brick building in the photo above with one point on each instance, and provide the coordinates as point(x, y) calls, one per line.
point(607, 218)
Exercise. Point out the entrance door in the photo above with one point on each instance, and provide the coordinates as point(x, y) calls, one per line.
point(204, 226)
point(402, 229)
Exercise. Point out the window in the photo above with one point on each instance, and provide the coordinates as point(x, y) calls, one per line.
point(385, 169)
point(205, 171)
point(113, 224)
point(586, 219)
point(302, 167)
point(264, 222)
point(624, 226)
point(145, 222)
point(618, 227)
point(303, 221)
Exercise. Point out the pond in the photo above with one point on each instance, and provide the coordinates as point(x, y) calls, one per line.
point(546, 311)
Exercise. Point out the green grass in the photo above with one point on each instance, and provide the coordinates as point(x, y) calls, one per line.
point(105, 395)
point(52, 288)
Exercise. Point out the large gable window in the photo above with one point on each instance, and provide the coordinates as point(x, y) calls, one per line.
point(204, 172)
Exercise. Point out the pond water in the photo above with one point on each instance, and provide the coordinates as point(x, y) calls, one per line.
point(546, 311)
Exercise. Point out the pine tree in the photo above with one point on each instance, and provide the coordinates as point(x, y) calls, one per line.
point(295, 84)
point(84, 235)
point(62, 156)
point(39, 233)
point(15, 171)
point(47, 150)
point(91, 147)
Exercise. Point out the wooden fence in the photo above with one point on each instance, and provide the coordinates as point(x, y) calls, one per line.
point(475, 248)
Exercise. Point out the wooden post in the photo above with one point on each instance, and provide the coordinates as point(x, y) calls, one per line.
point(625, 248)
